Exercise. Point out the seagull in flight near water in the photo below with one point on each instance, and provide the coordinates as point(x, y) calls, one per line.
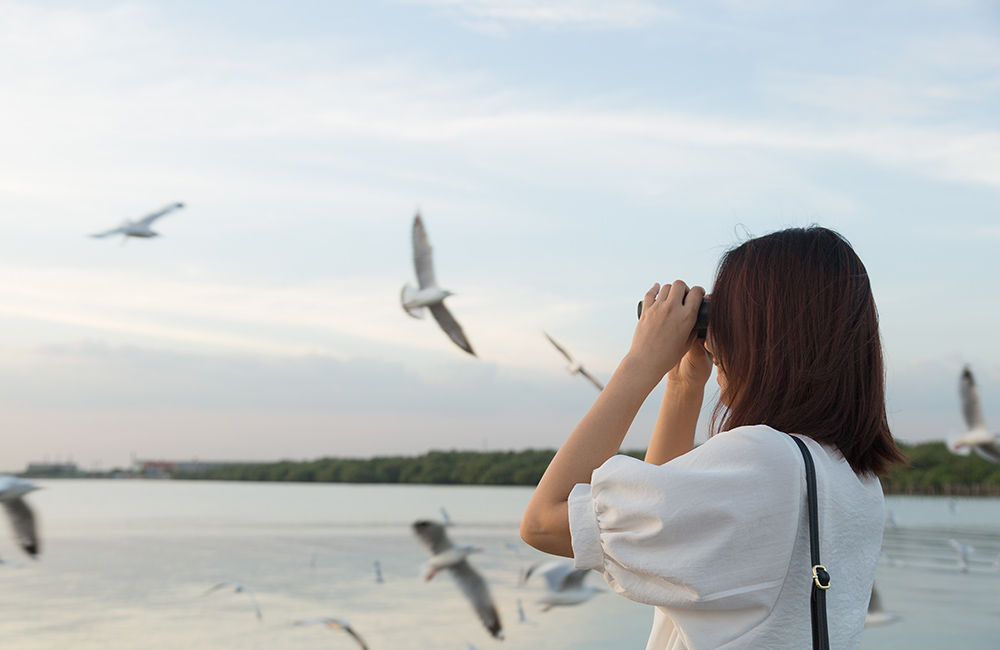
point(977, 438)
point(574, 367)
point(962, 553)
point(238, 588)
point(335, 624)
point(428, 294)
point(445, 555)
point(140, 228)
point(564, 582)
point(12, 489)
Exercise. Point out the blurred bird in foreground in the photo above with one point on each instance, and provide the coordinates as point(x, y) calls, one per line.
point(335, 624)
point(12, 491)
point(140, 228)
point(564, 582)
point(445, 555)
point(574, 367)
point(976, 438)
point(238, 588)
point(428, 294)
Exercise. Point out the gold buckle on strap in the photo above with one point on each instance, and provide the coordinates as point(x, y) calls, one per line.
point(820, 574)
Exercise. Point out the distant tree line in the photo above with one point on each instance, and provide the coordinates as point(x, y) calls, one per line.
point(435, 467)
point(933, 470)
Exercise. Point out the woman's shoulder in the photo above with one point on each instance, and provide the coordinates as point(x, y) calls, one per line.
point(756, 444)
point(752, 450)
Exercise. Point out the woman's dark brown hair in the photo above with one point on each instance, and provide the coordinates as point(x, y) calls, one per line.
point(794, 330)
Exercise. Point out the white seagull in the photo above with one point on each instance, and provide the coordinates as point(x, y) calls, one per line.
point(12, 489)
point(428, 294)
point(876, 615)
point(238, 588)
point(445, 555)
point(574, 367)
point(976, 438)
point(140, 228)
point(962, 551)
point(565, 584)
point(335, 624)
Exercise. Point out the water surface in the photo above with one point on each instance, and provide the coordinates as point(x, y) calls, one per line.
point(126, 563)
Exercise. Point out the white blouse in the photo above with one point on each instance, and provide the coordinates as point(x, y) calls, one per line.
point(717, 540)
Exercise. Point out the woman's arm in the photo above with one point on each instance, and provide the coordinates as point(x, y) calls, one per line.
point(677, 420)
point(662, 337)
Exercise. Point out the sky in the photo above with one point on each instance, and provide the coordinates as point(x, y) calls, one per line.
point(564, 154)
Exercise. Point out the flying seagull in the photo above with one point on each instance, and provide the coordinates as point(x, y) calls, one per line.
point(565, 584)
point(140, 228)
point(976, 438)
point(12, 489)
point(876, 615)
point(445, 555)
point(335, 624)
point(962, 553)
point(574, 367)
point(428, 294)
point(238, 588)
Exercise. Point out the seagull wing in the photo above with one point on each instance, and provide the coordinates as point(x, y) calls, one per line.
point(150, 218)
point(592, 379)
point(475, 589)
point(970, 400)
point(554, 572)
point(422, 259)
point(117, 231)
point(357, 637)
point(431, 534)
point(558, 347)
point(451, 326)
point(23, 520)
point(256, 607)
point(989, 451)
point(573, 579)
point(222, 585)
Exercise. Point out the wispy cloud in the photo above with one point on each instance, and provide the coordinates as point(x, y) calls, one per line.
point(372, 120)
point(341, 319)
point(586, 14)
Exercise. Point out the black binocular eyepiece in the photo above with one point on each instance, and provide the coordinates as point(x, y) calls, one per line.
point(701, 324)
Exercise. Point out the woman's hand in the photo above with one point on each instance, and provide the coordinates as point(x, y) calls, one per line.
point(695, 367)
point(665, 335)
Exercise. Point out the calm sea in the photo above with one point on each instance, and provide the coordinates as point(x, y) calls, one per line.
point(126, 563)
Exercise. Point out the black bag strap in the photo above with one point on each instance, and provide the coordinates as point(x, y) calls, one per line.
point(820, 576)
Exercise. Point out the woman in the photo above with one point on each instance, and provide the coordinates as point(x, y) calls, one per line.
point(717, 537)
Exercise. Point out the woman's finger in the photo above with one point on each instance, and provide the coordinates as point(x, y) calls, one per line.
point(694, 297)
point(649, 298)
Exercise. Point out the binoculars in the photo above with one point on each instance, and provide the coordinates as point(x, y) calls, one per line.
point(701, 324)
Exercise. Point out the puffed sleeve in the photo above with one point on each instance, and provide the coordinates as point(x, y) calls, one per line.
point(712, 529)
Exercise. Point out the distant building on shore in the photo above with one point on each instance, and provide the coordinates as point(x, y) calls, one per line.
point(167, 468)
point(52, 470)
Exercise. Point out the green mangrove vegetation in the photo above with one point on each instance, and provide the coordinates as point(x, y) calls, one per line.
point(932, 470)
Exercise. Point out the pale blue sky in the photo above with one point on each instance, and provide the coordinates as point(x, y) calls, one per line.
point(565, 154)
